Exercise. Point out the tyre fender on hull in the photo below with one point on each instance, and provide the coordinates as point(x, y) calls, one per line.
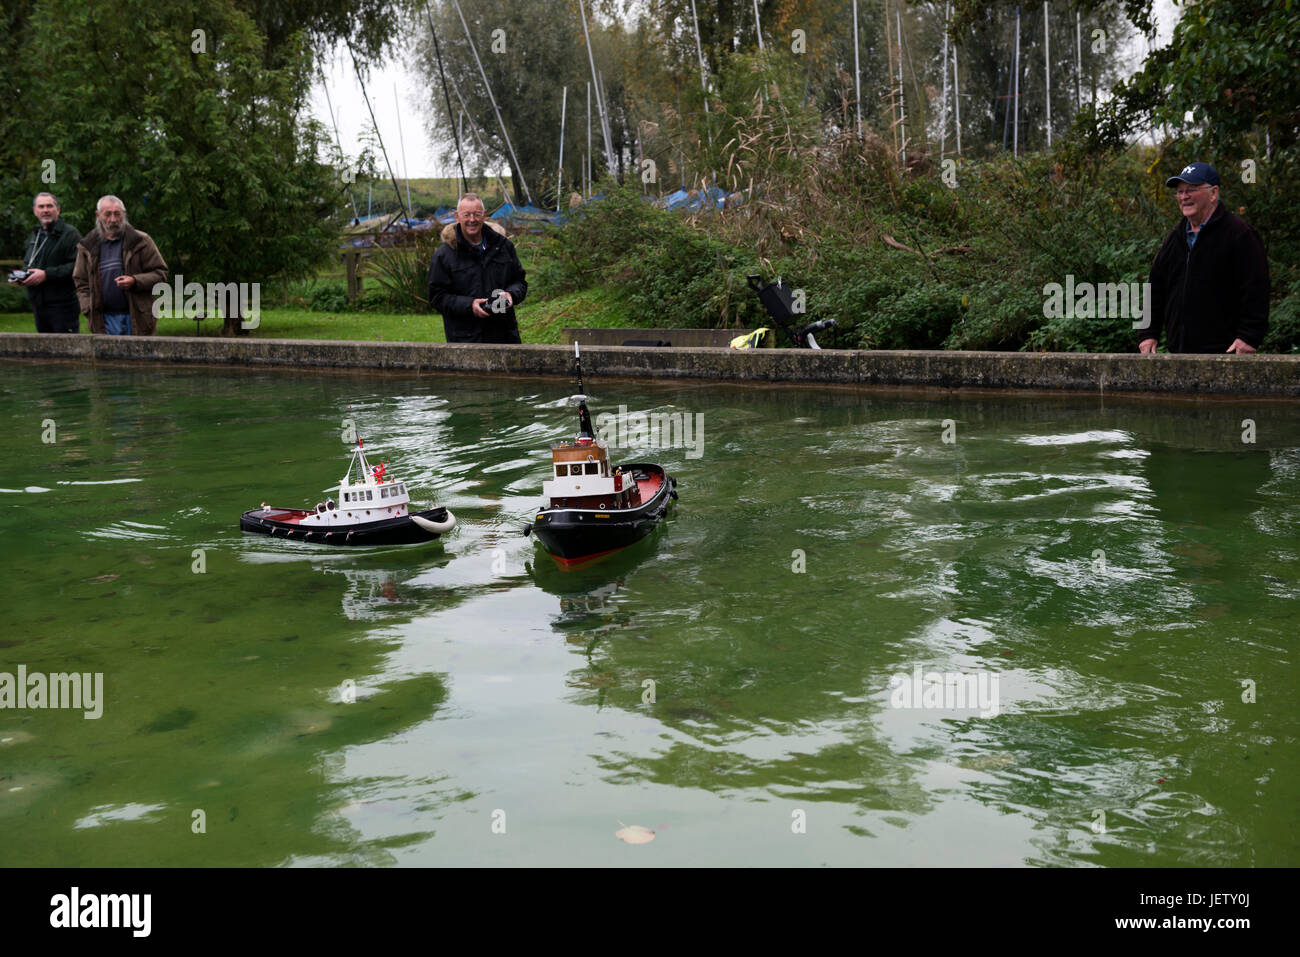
point(437, 528)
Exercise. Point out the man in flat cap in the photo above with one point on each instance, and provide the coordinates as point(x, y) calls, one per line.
point(1209, 282)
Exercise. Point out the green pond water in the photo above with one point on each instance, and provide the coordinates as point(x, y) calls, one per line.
point(1121, 573)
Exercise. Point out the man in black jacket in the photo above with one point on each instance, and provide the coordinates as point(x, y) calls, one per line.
point(1209, 282)
point(49, 256)
point(475, 279)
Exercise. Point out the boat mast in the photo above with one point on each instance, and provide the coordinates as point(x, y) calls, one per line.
point(585, 430)
point(359, 460)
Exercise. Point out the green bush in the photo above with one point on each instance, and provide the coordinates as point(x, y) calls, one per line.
point(402, 276)
point(328, 298)
point(1284, 319)
point(689, 280)
point(919, 318)
point(603, 240)
point(999, 316)
point(13, 299)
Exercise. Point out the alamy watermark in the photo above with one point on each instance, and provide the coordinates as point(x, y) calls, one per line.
point(76, 909)
point(83, 691)
point(660, 430)
point(194, 300)
point(946, 691)
point(1107, 300)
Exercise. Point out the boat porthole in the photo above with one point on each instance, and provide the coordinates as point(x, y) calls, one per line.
point(602, 506)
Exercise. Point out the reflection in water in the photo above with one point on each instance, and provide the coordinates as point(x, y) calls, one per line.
point(386, 593)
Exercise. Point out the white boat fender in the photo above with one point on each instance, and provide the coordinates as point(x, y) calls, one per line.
point(438, 528)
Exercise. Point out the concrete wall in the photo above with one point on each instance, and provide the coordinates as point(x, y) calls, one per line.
point(1258, 375)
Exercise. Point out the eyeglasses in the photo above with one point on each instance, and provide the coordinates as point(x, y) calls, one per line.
point(470, 215)
point(1180, 193)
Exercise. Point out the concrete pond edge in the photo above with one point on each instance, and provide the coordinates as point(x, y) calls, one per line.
point(1174, 375)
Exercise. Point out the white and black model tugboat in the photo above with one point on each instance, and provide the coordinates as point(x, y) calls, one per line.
point(372, 509)
point(592, 508)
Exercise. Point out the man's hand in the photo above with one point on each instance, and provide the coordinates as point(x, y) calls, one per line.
point(478, 310)
point(1147, 347)
point(1240, 347)
point(124, 282)
point(34, 277)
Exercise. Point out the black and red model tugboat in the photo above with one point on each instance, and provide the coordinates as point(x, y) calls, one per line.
point(372, 509)
point(592, 508)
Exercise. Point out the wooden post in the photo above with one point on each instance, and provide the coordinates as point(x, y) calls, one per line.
point(352, 259)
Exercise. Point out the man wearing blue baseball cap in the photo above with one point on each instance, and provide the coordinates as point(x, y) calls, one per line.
point(1209, 282)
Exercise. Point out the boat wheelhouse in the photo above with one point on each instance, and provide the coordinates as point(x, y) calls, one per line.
point(584, 478)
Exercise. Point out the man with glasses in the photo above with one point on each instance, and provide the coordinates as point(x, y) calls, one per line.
point(1209, 282)
point(475, 279)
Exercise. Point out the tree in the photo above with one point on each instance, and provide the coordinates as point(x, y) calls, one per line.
point(366, 24)
point(1232, 66)
point(171, 107)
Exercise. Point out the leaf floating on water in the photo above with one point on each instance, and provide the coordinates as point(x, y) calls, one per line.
point(989, 761)
point(635, 834)
point(103, 578)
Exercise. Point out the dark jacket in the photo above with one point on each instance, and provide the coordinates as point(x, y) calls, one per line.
point(460, 273)
point(57, 256)
point(141, 259)
point(1213, 293)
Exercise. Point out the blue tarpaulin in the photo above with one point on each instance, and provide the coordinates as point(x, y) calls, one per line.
point(711, 196)
point(676, 200)
point(510, 214)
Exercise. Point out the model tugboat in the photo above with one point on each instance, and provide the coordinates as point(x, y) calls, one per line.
point(592, 509)
point(372, 509)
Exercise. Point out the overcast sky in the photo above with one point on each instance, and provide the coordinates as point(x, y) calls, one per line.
point(411, 93)
point(354, 120)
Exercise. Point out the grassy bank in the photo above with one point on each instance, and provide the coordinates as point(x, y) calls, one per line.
point(541, 321)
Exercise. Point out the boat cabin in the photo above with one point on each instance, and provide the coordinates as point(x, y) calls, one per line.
point(582, 478)
point(365, 494)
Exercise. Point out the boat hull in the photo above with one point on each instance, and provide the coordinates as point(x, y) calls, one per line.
point(389, 531)
point(578, 535)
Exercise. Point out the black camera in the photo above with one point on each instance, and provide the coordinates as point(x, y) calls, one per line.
point(19, 275)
